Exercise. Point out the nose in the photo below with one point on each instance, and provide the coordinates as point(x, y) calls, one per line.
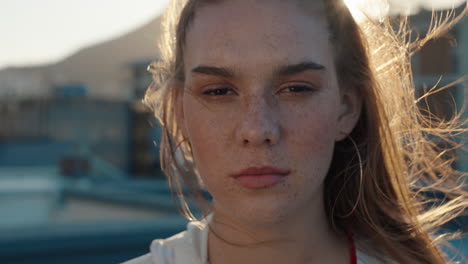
point(260, 124)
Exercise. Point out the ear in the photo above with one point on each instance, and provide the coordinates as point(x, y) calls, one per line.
point(350, 111)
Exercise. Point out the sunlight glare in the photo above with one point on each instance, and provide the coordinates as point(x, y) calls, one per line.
point(368, 9)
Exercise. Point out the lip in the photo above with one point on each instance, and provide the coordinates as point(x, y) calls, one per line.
point(260, 177)
point(265, 170)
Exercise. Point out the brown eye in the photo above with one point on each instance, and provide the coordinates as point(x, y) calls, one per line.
point(297, 89)
point(219, 92)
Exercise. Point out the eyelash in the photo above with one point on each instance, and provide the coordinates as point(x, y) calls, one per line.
point(302, 88)
point(223, 91)
point(213, 92)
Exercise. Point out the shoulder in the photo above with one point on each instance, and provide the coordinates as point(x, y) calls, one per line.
point(188, 246)
point(367, 255)
point(363, 258)
point(145, 259)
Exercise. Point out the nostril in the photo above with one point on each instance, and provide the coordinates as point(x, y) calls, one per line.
point(268, 141)
point(246, 141)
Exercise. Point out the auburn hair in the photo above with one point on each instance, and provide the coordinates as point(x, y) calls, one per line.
point(381, 179)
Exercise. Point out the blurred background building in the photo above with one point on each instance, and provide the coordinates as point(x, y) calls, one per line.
point(90, 100)
point(80, 180)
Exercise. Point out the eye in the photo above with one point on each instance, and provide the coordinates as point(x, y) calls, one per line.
point(222, 91)
point(297, 88)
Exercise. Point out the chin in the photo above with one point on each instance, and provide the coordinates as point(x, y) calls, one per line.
point(262, 211)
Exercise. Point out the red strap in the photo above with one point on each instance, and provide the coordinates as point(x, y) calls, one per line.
point(352, 249)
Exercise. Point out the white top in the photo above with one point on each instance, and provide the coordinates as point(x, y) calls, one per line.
point(190, 247)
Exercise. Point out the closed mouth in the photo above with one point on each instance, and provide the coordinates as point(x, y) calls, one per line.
point(264, 170)
point(255, 178)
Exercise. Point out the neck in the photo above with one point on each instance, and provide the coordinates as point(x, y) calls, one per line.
point(301, 238)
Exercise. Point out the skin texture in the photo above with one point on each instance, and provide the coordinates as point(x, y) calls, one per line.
point(252, 116)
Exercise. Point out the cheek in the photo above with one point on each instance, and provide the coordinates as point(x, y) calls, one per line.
point(311, 133)
point(207, 135)
point(310, 139)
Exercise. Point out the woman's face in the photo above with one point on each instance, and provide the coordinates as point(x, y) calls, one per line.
point(261, 92)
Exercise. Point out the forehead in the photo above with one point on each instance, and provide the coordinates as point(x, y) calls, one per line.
point(245, 32)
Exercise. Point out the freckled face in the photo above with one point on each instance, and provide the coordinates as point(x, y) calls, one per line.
point(260, 90)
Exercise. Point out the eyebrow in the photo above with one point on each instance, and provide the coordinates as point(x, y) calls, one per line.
point(211, 70)
point(298, 68)
point(281, 71)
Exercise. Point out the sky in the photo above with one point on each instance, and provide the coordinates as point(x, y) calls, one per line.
point(377, 9)
point(44, 31)
point(412, 6)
